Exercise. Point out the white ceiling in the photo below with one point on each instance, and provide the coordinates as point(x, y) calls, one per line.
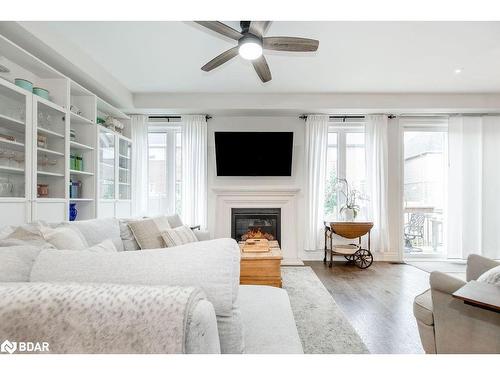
point(353, 57)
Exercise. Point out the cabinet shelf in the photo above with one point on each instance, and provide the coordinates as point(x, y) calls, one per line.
point(83, 173)
point(12, 144)
point(49, 104)
point(80, 146)
point(81, 199)
point(79, 119)
point(11, 122)
point(50, 174)
point(51, 152)
point(4, 168)
point(50, 132)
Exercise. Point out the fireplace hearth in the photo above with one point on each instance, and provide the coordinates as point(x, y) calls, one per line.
point(249, 223)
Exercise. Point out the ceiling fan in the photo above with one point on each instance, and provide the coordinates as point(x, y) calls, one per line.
point(251, 42)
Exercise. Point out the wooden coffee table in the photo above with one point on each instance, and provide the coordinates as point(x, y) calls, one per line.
point(263, 268)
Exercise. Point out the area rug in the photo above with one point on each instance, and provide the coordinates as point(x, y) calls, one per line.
point(322, 326)
point(453, 268)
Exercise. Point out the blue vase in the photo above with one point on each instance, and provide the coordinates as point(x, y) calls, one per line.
point(72, 211)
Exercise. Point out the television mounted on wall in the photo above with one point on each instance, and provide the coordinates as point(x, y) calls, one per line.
point(253, 153)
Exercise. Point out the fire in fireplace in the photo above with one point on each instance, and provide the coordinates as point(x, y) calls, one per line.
point(249, 223)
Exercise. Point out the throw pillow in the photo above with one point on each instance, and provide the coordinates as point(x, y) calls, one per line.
point(106, 246)
point(147, 232)
point(178, 236)
point(64, 238)
point(127, 237)
point(27, 235)
point(16, 263)
point(492, 276)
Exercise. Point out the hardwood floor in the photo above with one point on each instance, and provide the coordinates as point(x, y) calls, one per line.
point(378, 302)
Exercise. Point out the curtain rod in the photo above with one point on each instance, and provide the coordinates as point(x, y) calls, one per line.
point(360, 117)
point(168, 118)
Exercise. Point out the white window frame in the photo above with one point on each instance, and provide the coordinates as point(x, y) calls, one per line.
point(341, 128)
point(170, 129)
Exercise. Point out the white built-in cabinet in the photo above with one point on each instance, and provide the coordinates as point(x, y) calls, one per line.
point(40, 139)
point(115, 189)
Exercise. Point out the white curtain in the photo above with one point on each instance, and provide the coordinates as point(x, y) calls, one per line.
point(473, 212)
point(377, 176)
point(315, 152)
point(194, 170)
point(139, 129)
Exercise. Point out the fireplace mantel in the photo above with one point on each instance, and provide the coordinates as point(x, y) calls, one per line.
point(284, 198)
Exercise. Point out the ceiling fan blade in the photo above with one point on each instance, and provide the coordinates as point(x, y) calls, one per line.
point(221, 59)
point(221, 28)
point(292, 44)
point(262, 69)
point(259, 27)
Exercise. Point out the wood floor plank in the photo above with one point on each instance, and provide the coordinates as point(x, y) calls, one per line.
point(378, 302)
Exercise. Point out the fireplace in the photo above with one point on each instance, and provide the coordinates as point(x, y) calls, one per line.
point(249, 223)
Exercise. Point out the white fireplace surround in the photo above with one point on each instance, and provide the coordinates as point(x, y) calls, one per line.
point(284, 198)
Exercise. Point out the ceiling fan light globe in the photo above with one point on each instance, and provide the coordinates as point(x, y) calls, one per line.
point(250, 50)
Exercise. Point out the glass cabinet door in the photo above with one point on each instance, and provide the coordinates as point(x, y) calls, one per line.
point(13, 142)
point(124, 169)
point(106, 164)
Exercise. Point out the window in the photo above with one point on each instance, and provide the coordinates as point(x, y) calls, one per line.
point(424, 187)
point(345, 159)
point(165, 169)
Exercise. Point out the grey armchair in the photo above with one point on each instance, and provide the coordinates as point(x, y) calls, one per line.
point(447, 325)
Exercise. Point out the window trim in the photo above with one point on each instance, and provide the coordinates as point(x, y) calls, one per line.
point(341, 129)
point(171, 130)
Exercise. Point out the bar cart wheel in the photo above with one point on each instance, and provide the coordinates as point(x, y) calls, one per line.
point(363, 258)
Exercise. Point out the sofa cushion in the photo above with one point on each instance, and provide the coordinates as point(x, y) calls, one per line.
point(128, 239)
point(268, 322)
point(178, 236)
point(64, 238)
point(147, 232)
point(212, 265)
point(105, 246)
point(422, 308)
point(492, 276)
point(174, 221)
point(96, 231)
point(16, 263)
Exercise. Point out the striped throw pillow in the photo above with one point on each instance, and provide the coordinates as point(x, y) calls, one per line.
point(178, 236)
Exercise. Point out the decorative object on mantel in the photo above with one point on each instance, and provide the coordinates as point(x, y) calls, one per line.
point(350, 208)
point(354, 253)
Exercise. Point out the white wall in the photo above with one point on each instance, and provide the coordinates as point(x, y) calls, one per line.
point(263, 124)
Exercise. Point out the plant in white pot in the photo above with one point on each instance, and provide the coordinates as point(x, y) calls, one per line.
point(351, 208)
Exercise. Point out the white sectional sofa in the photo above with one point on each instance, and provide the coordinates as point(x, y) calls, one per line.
point(230, 319)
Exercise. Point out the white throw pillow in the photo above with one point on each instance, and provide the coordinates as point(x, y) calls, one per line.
point(64, 238)
point(106, 246)
point(492, 276)
point(147, 232)
point(178, 236)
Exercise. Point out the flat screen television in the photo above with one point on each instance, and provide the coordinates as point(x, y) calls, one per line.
point(254, 153)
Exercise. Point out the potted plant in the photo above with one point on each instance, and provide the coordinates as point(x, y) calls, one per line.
point(350, 208)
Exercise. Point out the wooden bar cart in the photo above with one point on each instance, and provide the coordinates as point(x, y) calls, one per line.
point(354, 253)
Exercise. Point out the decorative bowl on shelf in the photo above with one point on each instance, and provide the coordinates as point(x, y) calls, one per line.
point(23, 83)
point(41, 92)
